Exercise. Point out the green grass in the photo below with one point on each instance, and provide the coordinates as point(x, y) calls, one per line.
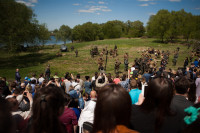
point(29, 63)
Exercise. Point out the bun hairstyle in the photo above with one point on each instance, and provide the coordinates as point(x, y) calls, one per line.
point(48, 105)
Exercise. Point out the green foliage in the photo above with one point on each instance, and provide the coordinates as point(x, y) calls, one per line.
point(29, 63)
point(87, 32)
point(159, 24)
point(135, 29)
point(64, 33)
point(171, 25)
point(113, 29)
point(18, 26)
point(43, 33)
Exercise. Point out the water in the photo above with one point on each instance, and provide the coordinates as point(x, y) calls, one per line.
point(52, 41)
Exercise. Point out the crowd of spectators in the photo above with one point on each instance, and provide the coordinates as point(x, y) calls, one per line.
point(162, 101)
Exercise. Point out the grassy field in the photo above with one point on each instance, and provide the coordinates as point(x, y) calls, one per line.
point(37, 62)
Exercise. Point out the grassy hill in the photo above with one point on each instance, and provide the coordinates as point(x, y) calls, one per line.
point(36, 62)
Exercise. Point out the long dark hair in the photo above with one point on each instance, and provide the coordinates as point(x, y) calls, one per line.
point(159, 94)
point(113, 108)
point(48, 104)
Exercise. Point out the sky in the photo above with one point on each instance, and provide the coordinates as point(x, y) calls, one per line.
point(73, 12)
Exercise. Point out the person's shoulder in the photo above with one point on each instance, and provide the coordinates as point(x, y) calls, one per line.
point(124, 129)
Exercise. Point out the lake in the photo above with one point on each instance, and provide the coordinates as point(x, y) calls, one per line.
point(53, 41)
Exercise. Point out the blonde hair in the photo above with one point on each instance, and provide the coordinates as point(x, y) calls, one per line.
point(29, 88)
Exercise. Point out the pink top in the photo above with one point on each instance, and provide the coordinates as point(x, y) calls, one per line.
point(116, 80)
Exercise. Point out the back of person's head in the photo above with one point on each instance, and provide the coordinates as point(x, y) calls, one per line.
point(41, 75)
point(33, 81)
point(117, 75)
point(158, 95)
point(13, 85)
point(133, 83)
point(181, 85)
point(68, 99)
point(159, 92)
point(33, 74)
point(78, 76)
point(93, 94)
point(13, 104)
point(123, 77)
point(6, 121)
point(48, 105)
point(73, 103)
point(87, 77)
point(113, 108)
point(17, 91)
point(29, 88)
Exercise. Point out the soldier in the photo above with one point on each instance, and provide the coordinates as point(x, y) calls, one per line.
point(178, 48)
point(102, 53)
point(152, 64)
point(174, 61)
point(100, 63)
point(117, 65)
point(115, 47)
point(126, 62)
point(76, 52)
point(189, 45)
point(115, 51)
point(72, 48)
point(92, 53)
point(192, 56)
point(176, 55)
point(111, 52)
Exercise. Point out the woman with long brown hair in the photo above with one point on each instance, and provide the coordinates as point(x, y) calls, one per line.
point(48, 105)
point(113, 110)
point(154, 115)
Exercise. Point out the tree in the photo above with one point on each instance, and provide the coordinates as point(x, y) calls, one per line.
point(64, 33)
point(113, 29)
point(76, 33)
point(159, 24)
point(136, 29)
point(87, 32)
point(19, 26)
point(44, 34)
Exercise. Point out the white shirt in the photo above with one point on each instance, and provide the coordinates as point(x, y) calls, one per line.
point(41, 80)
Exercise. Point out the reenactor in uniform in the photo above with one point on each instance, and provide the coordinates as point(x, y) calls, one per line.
point(115, 52)
point(174, 61)
point(102, 53)
point(192, 56)
point(115, 47)
point(100, 63)
point(178, 48)
point(152, 64)
point(92, 53)
point(126, 62)
point(189, 45)
point(176, 55)
point(111, 52)
point(117, 65)
point(158, 53)
point(76, 52)
point(72, 48)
